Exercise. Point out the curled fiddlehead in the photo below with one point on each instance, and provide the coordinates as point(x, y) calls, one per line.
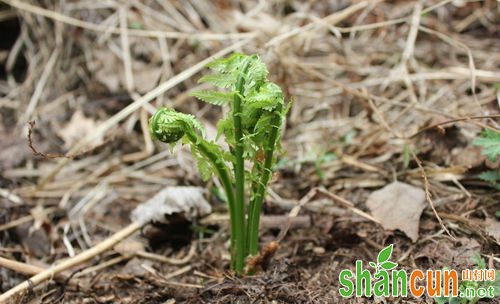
point(170, 126)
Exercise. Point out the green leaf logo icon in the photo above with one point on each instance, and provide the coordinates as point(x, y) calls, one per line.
point(388, 265)
point(383, 263)
point(384, 255)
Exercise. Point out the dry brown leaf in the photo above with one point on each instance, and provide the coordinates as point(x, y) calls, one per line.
point(398, 206)
point(493, 228)
point(35, 237)
point(105, 69)
point(35, 241)
point(146, 76)
point(76, 128)
point(186, 201)
point(468, 157)
point(13, 149)
point(129, 247)
point(134, 268)
point(460, 252)
point(109, 71)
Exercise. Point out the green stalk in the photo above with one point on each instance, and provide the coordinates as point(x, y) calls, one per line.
point(251, 205)
point(225, 179)
point(239, 172)
point(256, 203)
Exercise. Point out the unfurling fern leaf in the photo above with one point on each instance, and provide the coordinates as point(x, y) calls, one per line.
point(251, 129)
point(169, 126)
point(267, 97)
point(223, 81)
point(227, 65)
point(213, 97)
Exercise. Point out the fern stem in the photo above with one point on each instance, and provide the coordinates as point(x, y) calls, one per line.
point(257, 167)
point(227, 184)
point(256, 203)
point(239, 172)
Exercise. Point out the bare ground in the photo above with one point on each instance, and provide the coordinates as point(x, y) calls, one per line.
point(377, 87)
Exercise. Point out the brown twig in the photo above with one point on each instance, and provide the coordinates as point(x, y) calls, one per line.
point(456, 120)
point(20, 267)
point(38, 153)
point(71, 262)
point(171, 261)
point(23, 220)
point(308, 197)
point(428, 194)
point(294, 212)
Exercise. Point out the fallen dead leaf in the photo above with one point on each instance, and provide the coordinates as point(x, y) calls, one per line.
point(110, 72)
point(105, 69)
point(134, 268)
point(186, 201)
point(13, 149)
point(398, 206)
point(34, 241)
point(468, 157)
point(493, 228)
point(76, 128)
point(129, 247)
point(146, 76)
point(461, 252)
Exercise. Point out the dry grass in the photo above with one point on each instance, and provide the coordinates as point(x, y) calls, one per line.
point(364, 77)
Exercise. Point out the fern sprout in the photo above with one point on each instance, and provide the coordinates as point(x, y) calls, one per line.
point(252, 131)
point(170, 126)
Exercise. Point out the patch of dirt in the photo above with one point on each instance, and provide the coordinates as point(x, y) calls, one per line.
point(384, 93)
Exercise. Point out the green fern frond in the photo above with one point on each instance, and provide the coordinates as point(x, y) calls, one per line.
point(227, 65)
point(492, 177)
point(249, 118)
point(490, 141)
point(195, 123)
point(223, 81)
point(207, 168)
point(225, 127)
point(265, 125)
point(256, 75)
point(267, 97)
point(214, 97)
point(257, 71)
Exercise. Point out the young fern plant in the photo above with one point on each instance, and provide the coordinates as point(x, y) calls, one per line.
point(251, 130)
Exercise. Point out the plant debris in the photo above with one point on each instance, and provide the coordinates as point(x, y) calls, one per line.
point(398, 206)
point(381, 91)
point(186, 201)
